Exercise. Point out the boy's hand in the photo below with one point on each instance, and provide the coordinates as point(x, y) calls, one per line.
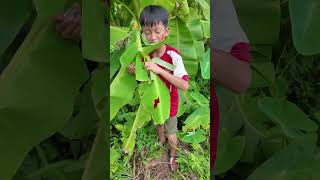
point(69, 24)
point(132, 68)
point(151, 66)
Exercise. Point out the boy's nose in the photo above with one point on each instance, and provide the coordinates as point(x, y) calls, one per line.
point(153, 37)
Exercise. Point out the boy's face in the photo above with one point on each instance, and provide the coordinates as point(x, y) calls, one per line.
point(155, 33)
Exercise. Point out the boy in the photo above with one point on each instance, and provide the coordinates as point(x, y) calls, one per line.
point(154, 23)
point(230, 59)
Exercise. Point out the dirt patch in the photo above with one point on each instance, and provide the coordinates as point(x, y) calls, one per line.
point(155, 168)
point(159, 168)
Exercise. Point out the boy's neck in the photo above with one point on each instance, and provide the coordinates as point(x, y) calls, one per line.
point(159, 52)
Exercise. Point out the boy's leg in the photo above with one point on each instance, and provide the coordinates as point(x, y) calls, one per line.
point(160, 131)
point(174, 144)
point(171, 129)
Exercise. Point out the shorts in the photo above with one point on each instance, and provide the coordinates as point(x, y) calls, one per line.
point(170, 126)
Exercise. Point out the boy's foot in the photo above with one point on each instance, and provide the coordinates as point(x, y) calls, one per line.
point(173, 163)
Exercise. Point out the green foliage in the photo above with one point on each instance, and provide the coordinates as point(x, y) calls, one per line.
point(276, 118)
point(50, 105)
point(94, 31)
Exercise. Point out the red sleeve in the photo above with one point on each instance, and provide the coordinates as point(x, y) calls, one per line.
point(185, 77)
point(241, 51)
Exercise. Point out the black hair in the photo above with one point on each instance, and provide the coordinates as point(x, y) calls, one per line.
point(152, 15)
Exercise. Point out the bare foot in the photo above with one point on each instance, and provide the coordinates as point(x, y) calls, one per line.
point(173, 164)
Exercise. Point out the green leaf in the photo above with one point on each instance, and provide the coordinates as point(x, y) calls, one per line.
point(199, 118)
point(151, 47)
point(130, 53)
point(180, 38)
point(114, 157)
point(124, 84)
point(68, 169)
point(85, 120)
point(205, 65)
point(205, 7)
point(229, 151)
point(199, 47)
point(305, 25)
point(199, 98)
point(30, 164)
point(99, 84)
point(255, 16)
point(167, 4)
point(271, 146)
point(263, 74)
point(13, 15)
point(96, 164)
point(38, 88)
point(257, 126)
point(155, 99)
point(94, 31)
point(241, 114)
point(279, 88)
point(291, 118)
point(194, 25)
point(295, 162)
point(232, 119)
point(193, 137)
point(121, 90)
point(115, 62)
point(206, 28)
point(117, 34)
point(141, 118)
point(182, 107)
point(183, 7)
point(141, 70)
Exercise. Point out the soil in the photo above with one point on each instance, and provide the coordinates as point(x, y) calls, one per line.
point(155, 168)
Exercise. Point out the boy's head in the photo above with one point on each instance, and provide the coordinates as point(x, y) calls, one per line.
point(154, 23)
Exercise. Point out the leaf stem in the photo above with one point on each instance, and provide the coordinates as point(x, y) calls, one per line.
point(42, 155)
point(129, 10)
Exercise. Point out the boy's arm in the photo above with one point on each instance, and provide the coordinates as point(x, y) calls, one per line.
point(174, 80)
point(230, 72)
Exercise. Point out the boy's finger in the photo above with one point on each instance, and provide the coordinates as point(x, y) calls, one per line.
point(76, 34)
point(77, 19)
point(68, 31)
point(67, 18)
